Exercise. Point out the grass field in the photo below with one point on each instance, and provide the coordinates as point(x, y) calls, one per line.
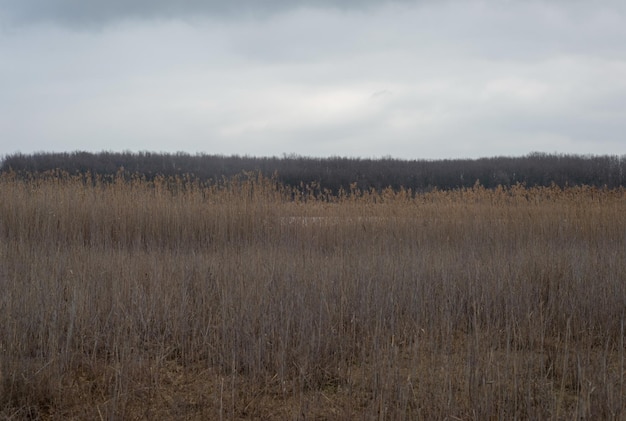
point(242, 300)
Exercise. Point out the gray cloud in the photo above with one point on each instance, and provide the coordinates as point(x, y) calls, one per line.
point(96, 13)
point(87, 13)
point(461, 79)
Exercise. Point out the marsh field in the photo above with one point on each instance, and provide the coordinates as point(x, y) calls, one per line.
point(174, 299)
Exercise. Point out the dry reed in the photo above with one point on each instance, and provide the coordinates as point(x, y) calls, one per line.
point(174, 299)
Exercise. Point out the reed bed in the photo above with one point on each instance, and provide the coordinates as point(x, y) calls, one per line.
point(240, 299)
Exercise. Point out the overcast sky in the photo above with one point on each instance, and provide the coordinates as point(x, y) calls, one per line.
point(371, 78)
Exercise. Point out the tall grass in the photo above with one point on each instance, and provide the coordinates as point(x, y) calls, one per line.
point(243, 300)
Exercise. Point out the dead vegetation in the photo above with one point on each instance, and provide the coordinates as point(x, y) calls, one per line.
point(174, 300)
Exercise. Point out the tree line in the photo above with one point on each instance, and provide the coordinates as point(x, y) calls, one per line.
point(336, 173)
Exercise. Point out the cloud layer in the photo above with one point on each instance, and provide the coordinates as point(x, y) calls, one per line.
point(406, 79)
point(87, 13)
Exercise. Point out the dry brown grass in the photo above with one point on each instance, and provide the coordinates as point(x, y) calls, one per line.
point(173, 300)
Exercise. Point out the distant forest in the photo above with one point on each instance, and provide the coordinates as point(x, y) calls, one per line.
point(335, 173)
